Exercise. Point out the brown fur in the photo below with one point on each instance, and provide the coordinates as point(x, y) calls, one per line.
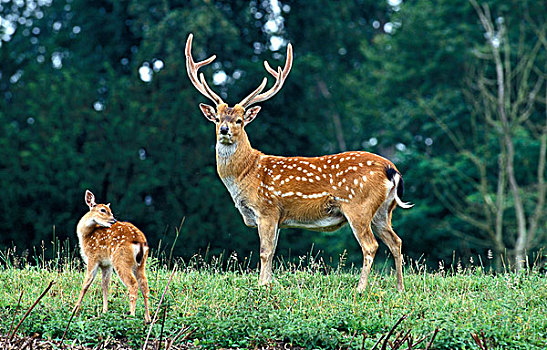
point(106, 243)
point(317, 193)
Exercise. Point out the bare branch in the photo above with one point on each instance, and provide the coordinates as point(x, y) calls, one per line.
point(452, 206)
point(530, 102)
point(541, 191)
point(456, 141)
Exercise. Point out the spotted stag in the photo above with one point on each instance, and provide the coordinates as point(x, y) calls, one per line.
point(318, 193)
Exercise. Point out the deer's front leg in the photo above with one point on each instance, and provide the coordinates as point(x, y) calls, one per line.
point(92, 268)
point(268, 232)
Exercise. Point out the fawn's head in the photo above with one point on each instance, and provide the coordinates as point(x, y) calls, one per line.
point(230, 121)
point(100, 214)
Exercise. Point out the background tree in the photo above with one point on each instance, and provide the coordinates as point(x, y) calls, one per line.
point(513, 116)
point(453, 151)
point(95, 95)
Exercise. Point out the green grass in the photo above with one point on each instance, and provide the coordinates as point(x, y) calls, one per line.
point(311, 306)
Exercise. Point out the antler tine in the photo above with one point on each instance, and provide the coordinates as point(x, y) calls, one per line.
point(288, 64)
point(192, 70)
point(270, 69)
point(258, 90)
point(279, 76)
point(208, 90)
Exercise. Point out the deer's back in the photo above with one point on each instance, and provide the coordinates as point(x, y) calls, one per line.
point(103, 242)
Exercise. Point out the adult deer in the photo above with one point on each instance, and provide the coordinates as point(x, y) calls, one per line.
point(318, 193)
point(107, 243)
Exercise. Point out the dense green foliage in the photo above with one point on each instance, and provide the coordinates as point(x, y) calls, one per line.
point(309, 305)
point(75, 114)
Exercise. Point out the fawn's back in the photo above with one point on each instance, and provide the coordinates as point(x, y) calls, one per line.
point(105, 243)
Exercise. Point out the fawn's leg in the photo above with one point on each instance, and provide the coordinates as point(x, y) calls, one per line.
point(143, 286)
point(92, 268)
point(123, 263)
point(105, 282)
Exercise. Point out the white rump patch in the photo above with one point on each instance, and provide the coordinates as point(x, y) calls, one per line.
point(389, 185)
point(404, 205)
point(136, 248)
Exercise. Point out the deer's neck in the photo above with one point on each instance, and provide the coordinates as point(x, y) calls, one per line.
point(236, 161)
point(85, 227)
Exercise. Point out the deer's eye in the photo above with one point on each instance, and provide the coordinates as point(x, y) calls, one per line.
point(217, 119)
point(103, 210)
point(239, 121)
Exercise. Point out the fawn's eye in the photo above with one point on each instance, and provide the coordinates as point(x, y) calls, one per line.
point(103, 210)
point(217, 120)
point(239, 121)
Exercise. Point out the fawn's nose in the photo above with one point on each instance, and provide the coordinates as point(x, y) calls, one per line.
point(224, 130)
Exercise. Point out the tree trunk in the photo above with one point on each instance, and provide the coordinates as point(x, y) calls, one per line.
point(334, 116)
point(500, 208)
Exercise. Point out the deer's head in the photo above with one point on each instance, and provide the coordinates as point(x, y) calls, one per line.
point(99, 214)
point(230, 121)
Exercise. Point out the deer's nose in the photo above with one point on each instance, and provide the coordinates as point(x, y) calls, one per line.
point(224, 130)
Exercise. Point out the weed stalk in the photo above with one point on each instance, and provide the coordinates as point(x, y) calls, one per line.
point(32, 307)
point(158, 308)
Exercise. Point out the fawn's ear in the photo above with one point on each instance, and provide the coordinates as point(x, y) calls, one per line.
point(90, 199)
point(251, 114)
point(209, 112)
point(108, 205)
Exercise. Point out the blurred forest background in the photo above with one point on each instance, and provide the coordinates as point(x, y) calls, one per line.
point(94, 95)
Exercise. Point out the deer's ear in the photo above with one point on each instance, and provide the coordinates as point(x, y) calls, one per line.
point(209, 112)
point(251, 114)
point(90, 199)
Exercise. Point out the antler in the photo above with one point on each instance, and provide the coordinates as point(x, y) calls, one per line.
point(279, 76)
point(192, 69)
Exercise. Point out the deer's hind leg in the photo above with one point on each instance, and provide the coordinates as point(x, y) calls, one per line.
point(140, 273)
point(124, 263)
point(359, 218)
point(105, 282)
point(381, 224)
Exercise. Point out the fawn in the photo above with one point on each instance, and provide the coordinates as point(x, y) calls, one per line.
point(108, 243)
point(317, 193)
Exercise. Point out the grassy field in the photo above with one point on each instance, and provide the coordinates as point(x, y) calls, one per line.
point(310, 305)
